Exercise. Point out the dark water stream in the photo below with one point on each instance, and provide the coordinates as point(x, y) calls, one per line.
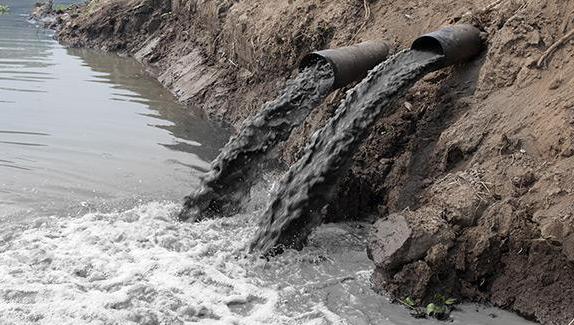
point(247, 156)
point(309, 185)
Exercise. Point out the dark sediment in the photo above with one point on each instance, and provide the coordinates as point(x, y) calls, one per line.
point(310, 183)
point(245, 158)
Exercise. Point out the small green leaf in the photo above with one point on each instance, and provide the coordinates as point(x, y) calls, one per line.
point(4, 9)
point(450, 302)
point(431, 309)
point(435, 310)
point(409, 302)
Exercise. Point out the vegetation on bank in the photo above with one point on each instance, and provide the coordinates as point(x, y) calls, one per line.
point(4, 9)
point(440, 308)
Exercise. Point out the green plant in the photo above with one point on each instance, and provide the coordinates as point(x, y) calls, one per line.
point(4, 9)
point(440, 308)
point(435, 310)
point(440, 299)
point(409, 302)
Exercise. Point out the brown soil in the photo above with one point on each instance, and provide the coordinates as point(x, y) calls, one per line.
point(470, 178)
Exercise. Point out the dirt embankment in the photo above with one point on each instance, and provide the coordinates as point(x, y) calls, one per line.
point(470, 178)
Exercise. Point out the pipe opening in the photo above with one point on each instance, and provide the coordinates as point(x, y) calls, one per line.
point(315, 59)
point(428, 44)
point(312, 59)
point(456, 43)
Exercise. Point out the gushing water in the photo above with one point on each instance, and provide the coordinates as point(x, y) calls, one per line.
point(248, 155)
point(310, 183)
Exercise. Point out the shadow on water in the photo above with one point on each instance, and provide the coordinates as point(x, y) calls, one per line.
point(189, 126)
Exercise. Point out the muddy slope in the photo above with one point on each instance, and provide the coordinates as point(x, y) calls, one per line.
point(470, 178)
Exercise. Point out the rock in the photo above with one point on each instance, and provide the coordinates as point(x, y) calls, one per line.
point(552, 231)
point(407, 236)
point(43, 12)
point(437, 254)
point(556, 83)
point(482, 253)
point(389, 236)
point(412, 281)
point(533, 38)
point(567, 153)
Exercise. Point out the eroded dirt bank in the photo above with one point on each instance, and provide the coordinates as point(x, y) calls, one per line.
point(470, 178)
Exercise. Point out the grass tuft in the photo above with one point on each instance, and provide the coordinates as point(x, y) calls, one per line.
point(4, 9)
point(440, 308)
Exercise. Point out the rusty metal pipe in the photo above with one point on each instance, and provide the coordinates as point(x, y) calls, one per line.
point(349, 63)
point(458, 43)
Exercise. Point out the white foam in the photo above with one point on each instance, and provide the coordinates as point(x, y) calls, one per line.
point(142, 267)
point(138, 266)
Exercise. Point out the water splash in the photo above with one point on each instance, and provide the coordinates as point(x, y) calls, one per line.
point(140, 266)
point(310, 183)
point(136, 266)
point(243, 160)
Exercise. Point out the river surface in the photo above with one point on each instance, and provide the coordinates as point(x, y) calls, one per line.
point(81, 128)
point(95, 158)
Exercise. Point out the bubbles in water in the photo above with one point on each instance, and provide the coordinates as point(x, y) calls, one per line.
point(140, 266)
point(136, 266)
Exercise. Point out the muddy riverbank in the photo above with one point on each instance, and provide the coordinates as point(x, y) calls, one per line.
point(469, 179)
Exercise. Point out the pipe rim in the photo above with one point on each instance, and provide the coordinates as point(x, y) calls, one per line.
point(428, 44)
point(315, 58)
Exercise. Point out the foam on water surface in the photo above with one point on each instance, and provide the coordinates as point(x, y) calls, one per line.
point(136, 266)
point(140, 266)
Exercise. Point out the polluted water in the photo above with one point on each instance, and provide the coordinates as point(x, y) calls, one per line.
point(296, 207)
point(140, 266)
point(249, 154)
